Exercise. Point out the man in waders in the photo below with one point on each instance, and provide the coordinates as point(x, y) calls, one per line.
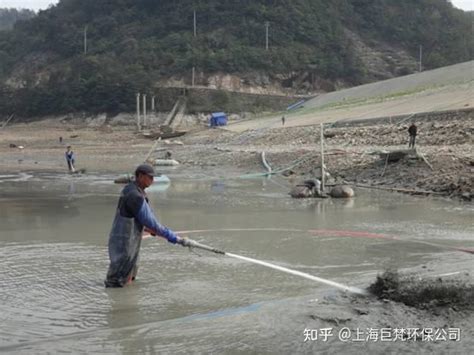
point(70, 159)
point(133, 215)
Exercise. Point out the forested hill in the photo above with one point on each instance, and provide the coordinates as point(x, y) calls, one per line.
point(133, 45)
point(8, 17)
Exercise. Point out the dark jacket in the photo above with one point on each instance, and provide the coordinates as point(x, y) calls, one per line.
point(412, 130)
point(132, 215)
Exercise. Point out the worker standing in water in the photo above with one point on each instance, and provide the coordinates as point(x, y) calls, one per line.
point(70, 159)
point(133, 216)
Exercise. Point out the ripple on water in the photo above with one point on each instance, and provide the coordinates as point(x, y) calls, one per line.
point(50, 289)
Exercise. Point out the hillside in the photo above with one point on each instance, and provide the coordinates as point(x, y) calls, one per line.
point(135, 45)
point(8, 17)
point(442, 89)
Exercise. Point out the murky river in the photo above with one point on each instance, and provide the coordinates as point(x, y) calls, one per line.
point(53, 260)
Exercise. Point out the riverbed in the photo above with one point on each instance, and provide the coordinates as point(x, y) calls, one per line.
point(53, 257)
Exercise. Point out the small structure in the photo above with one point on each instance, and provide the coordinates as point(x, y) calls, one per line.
point(218, 119)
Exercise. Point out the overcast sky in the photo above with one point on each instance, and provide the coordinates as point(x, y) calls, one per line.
point(462, 4)
point(43, 4)
point(27, 4)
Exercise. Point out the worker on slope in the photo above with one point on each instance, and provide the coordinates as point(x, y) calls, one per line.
point(132, 217)
point(412, 131)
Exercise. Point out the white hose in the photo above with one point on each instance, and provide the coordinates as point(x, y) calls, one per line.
point(302, 274)
point(267, 166)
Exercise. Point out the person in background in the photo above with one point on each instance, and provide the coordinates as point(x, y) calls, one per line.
point(70, 159)
point(412, 132)
point(133, 216)
point(282, 120)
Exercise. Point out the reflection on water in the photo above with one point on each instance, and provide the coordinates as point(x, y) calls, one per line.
point(53, 259)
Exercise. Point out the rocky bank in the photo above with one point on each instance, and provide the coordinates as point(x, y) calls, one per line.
point(442, 165)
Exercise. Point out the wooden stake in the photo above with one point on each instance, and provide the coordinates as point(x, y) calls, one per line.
point(138, 112)
point(386, 163)
point(8, 120)
point(322, 158)
point(424, 159)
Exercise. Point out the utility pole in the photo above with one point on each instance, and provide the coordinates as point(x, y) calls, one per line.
point(267, 24)
point(322, 158)
point(153, 104)
point(144, 110)
point(193, 71)
point(85, 40)
point(138, 112)
point(421, 56)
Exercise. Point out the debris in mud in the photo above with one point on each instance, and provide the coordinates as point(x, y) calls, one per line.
point(335, 320)
point(309, 188)
point(341, 191)
point(395, 155)
point(423, 293)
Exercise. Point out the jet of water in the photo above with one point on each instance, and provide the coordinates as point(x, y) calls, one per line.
point(301, 274)
point(194, 244)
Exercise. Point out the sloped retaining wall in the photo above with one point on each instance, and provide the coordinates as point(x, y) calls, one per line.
point(211, 100)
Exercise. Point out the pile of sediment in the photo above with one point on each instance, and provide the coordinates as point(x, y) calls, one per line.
point(424, 292)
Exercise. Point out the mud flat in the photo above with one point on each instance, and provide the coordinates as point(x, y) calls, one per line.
point(252, 310)
point(352, 151)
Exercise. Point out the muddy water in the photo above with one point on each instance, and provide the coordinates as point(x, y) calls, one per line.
point(53, 259)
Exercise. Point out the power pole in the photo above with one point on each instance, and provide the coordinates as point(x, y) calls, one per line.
point(138, 112)
point(144, 110)
point(322, 159)
point(421, 56)
point(192, 75)
point(85, 40)
point(153, 104)
point(267, 24)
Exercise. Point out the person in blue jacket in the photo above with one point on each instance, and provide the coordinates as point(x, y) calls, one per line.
point(132, 217)
point(70, 159)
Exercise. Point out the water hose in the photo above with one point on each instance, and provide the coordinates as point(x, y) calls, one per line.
point(193, 244)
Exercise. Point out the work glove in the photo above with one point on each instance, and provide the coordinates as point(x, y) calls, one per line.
point(185, 242)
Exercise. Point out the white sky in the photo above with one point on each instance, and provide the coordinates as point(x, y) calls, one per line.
point(467, 5)
point(43, 4)
point(27, 4)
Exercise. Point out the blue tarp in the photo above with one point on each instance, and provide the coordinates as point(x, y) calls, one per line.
point(218, 119)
